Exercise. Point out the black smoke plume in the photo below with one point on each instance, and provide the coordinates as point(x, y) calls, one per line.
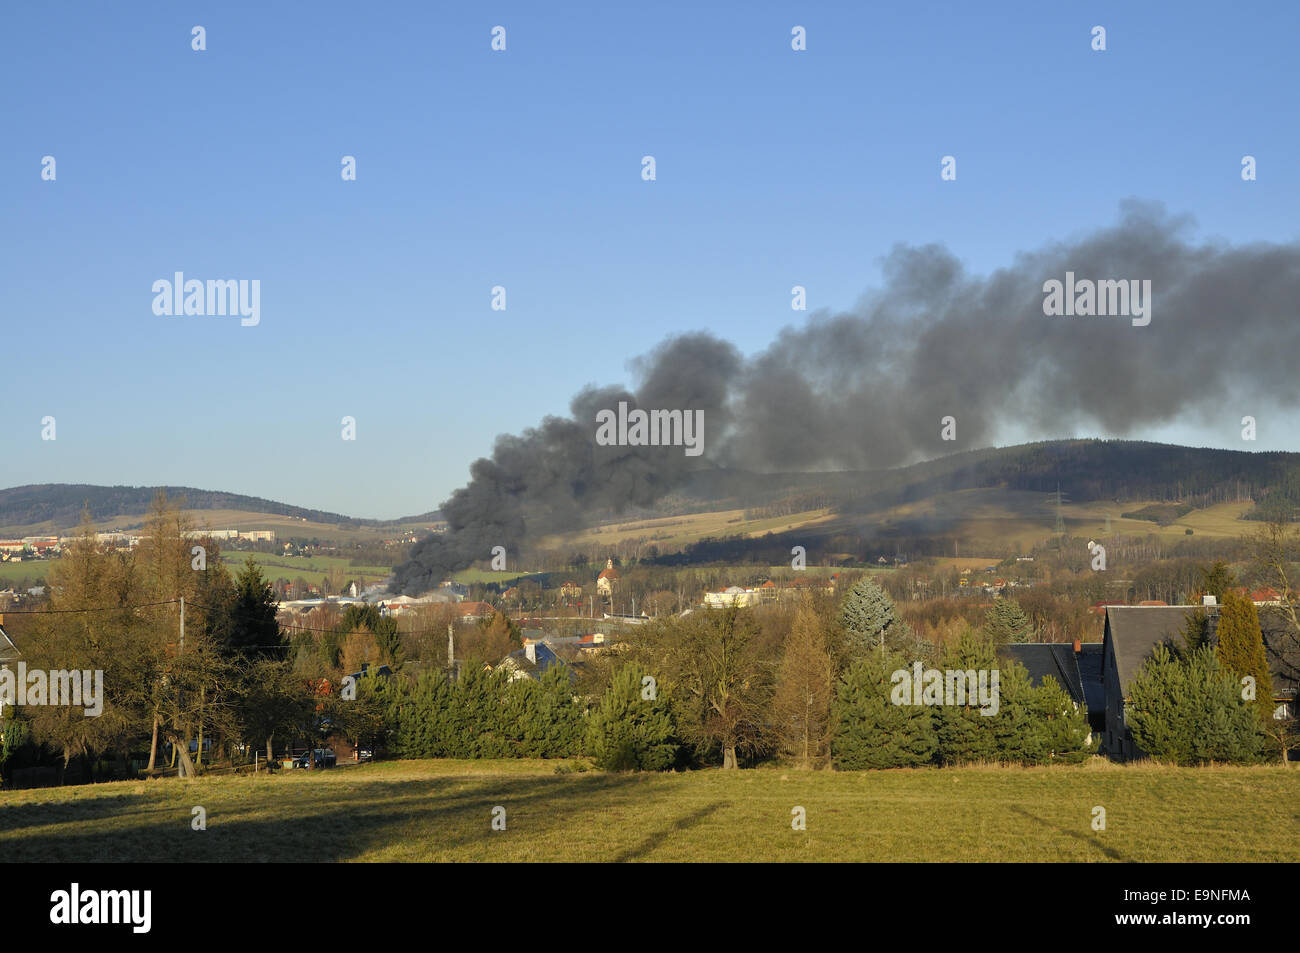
point(868, 388)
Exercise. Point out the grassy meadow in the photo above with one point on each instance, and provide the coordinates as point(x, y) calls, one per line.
point(441, 811)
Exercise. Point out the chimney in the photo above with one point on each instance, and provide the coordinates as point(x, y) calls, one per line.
point(1078, 646)
point(530, 649)
point(1209, 601)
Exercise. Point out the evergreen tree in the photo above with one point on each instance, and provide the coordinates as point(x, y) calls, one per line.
point(868, 729)
point(1218, 579)
point(868, 616)
point(1007, 622)
point(1196, 629)
point(1240, 648)
point(632, 729)
point(966, 735)
point(1061, 729)
point(250, 628)
point(1190, 711)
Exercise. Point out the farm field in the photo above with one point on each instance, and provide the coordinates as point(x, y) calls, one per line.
point(12, 572)
point(442, 810)
point(994, 517)
point(672, 531)
point(312, 568)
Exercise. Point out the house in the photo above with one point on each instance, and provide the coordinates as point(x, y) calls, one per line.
point(473, 611)
point(532, 661)
point(607, 581)
point(1075, 667)
point(1132, 634)
point(731, 596)
point(570, 590)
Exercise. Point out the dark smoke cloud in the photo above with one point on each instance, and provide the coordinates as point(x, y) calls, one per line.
point(868, 388)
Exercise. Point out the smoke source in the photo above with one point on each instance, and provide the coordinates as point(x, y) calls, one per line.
point(868, 388)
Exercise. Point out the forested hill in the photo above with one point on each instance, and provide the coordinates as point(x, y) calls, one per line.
point(62, 503)
point(1086, 470)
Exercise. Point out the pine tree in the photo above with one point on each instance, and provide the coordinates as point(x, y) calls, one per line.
point(1007, 622)
point(632, 729)
point(1240, 648)
point(868, 729)
point(1061, 727)
point(966, 735)
point(801, 705)
point(1190, 711)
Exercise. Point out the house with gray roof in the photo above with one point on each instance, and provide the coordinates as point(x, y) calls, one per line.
point(1132, 634)
point(1075, 667)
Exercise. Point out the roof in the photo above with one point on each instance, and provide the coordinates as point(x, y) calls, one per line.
point(545, 655)
point(8, 651)
point(608, 574)
point(1092, 675)
point(1048, 658)
point(1134, 631)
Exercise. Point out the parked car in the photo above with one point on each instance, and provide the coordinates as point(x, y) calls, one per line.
point(324, 759)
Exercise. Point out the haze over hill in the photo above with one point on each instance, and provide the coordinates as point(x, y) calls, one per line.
point(57, 507)
point(925, 499)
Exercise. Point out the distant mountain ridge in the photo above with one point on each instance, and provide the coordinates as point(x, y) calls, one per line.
point(1084, 470)
point(62, 503)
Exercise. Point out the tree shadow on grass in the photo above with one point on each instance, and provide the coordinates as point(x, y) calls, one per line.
point(333, 823)
point(1110, 852)
point(654, 840)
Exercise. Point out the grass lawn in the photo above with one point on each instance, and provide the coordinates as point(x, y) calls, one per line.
point(27, 569)
point(312, 568)
point(441, 810)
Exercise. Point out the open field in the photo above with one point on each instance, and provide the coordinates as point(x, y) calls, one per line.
point(441, 810)
point(501, 576)
point(669, 532)
point(284, 526)
point(27, 569)
point(312, 568)
point(996, 517)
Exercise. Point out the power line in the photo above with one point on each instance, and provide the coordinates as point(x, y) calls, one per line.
point(143, 605)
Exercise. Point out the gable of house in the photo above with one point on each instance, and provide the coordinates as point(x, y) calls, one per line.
point(1042, 659)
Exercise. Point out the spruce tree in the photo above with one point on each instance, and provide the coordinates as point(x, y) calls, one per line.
point(867, 615)
point(868, 729)
point(966, 735)
point(1007, 622)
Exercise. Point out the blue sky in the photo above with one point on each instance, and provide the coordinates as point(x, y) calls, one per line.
point(522, 169)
